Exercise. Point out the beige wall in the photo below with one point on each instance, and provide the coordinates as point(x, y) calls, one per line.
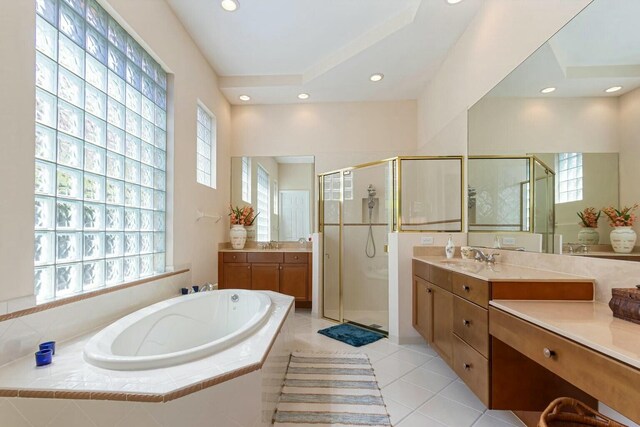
point(190, 243)
point(502, 35)
point(549, 125)
point(337, 134)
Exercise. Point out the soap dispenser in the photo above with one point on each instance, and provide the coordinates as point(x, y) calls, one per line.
point(450, 249)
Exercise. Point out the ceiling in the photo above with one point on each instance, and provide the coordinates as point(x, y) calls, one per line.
point(273, 50)
point(598, 49)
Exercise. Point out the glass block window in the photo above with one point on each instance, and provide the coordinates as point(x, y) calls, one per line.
point(246, 179)
point(568, 177)
point(100, 137)
point(206, 148)
point(264, 228)
point(348, 185)
point(276, 195)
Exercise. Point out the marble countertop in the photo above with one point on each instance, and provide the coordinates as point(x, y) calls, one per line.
point(307, 250)
point(589, 323)
point(604, 254)
point(70, 377)
point(499, 272)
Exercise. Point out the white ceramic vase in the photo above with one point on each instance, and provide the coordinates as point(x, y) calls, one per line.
point(623, 239)
point(238, 236)
point(588, 236)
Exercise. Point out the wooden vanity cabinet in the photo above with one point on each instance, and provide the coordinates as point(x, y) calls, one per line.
point(433, 310)
point(285, 272)
point(451, 312)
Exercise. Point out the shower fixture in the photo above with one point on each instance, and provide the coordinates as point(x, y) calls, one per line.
point(370, 247)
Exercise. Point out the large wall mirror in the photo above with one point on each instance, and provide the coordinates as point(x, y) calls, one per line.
point(574, 105)
point(281, 190)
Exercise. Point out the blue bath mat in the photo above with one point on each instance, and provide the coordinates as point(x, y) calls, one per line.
point(351, 335)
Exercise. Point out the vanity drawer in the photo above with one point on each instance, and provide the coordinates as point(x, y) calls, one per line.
point(234, 257)
point(440, 277)
point(296, 257)
point(421, 269)
point(265, 257)
point(604, 378)
point(472, 289)
point(472, 368)
point(471, 323)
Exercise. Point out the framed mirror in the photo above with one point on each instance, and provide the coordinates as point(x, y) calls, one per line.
point(281, 191)
point(574, 104)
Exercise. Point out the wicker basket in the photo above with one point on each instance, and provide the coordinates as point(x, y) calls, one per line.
point(578, 415)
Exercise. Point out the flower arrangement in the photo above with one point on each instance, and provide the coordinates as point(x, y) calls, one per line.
point(621, 218)
point(589, 218)
point(242, 215)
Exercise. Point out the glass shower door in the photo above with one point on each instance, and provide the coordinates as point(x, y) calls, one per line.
point(365, 275)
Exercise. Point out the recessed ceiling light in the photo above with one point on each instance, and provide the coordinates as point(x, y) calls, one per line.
point(230, 5)
point(303, 96)
point(453, 1)
point(548, 90)
point(613, 89)
point(244, 98)
point(376, 77)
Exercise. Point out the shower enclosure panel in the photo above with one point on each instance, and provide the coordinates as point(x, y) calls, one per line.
point(331, 215)
point(366, 212)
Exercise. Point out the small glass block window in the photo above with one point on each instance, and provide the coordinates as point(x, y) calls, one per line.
point(100, 139)
point(205, 148)
point(276, 197)
point(246, 179)
point(264, 227)
point(568, 177)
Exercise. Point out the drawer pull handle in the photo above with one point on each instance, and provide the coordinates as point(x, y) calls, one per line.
point(466, 288)
point(466, 322)
point(466, 366)
point(548, 353)
point(280, 267)
point(295, 257)
point(248, 267)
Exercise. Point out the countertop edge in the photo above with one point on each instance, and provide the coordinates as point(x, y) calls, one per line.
point(563, 333)
point(562, 277)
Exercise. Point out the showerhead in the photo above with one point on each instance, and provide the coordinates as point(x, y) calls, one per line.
point(371, 190)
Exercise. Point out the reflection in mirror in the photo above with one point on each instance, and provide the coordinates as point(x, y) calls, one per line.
point(586, 130)
point(281, 190)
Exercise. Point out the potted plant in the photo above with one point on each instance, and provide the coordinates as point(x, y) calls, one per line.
point(240, 217)
point(623, 236)
point(589, 235)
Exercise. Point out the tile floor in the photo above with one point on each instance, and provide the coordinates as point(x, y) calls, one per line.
point(418, 387)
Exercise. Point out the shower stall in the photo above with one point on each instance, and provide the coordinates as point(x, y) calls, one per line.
point(359, 207)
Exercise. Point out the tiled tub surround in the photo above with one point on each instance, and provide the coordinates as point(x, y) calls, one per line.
point(248, 400)
point(20, 333)
point(69, 376)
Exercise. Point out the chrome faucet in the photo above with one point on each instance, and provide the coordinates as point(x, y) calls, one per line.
point(482, 257)
point(273, 245)
point(207, 287)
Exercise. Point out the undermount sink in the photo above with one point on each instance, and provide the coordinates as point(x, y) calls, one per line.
point(468, 265)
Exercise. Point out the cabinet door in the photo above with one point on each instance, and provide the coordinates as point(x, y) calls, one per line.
point(294, 281)
point(423, 308)
point(265, 277)
point(237, 276)
point(443, 323)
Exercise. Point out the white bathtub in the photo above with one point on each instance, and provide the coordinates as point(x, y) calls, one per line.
point(178, 330)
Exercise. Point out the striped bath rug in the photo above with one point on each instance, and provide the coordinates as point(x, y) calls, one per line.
point(323, 389)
